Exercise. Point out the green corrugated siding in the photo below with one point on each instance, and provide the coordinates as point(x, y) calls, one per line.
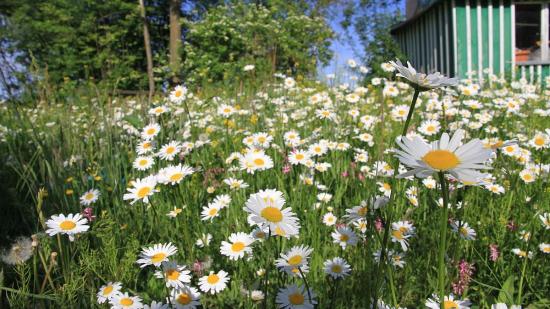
point(485, 31)
point(496, 38)
point(473, 36)
point(461, 39)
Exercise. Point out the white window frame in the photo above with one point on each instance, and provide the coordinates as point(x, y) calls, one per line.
point(544, 35)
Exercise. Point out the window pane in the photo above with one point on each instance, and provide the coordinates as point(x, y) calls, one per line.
point(528, 36)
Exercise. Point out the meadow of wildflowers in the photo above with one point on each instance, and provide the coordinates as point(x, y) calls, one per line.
point(409, 191)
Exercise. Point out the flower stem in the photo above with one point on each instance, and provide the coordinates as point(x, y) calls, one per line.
point(305, 282)
point(442, 239)
point(268, 263)
point(411, 111)
point(392, 286)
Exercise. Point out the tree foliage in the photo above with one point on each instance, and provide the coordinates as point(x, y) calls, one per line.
point(275, 35)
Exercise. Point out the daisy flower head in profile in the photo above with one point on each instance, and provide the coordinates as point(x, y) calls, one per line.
point(125, 301)
point(294, 297)
point(141, 189)
point(174, 174)
point(178, 94)
point(337, 268)
point(176, 276)
point(185, 298)
point(214, 282)
point(294, 260)
point(156, 254)
point(108, 291)
point(159, 110)
point(89, 197)
point(69, 225)
point(421, 81)
point(265, 209)
point(238, 246)
point(448, 302)
point(446, 155)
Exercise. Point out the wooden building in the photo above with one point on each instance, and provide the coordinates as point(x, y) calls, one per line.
point(472, 38)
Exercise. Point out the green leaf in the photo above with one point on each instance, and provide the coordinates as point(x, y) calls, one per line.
point(134, 120)
point(506, 294)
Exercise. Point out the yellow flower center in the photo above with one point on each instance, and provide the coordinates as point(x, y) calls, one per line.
point(238, 246)
point(213, 212)
point(546, 249)
point(344, 237)
point(108, 289)
point(272, 214)
point(176, 177)
point(261, 139)
point(178, 93)
point(299, 156)
point(67, 225)
point(259, 161)
point(172, 274)
point(386, 186)
point(126, 301)
point(397, 234)
point(296, 299)
point(295, 260)
point(170, 149)
point(143, 192)
point(449, 304)
point(213, 279)
point(151, 131)
point(442, 160)
point(184, 298)
point(463, 231)
point(362, 211)
point(159, 257)
point(143, 162)
point(336, 269)
point(158, 110)
point(539, 141)
point(89, 196)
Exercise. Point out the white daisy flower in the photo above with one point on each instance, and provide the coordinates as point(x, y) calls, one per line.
point(214, 282)
point(143, 163)
point(238, 246)
point(89, 197)
point(329, 219)
point(446, 155)
point(463, 230)
point(178, 94)
point(420, 81)
point(125, 301)
point(344, 236)
point(294, 260)
point(70, 225)
point(169, 151)
point(337, 268)
point(108, 291)
point(448, 302)
point(174, 174)
point(176, 276)
point(141, 189)
point(150, 131)
point(294, 297)
point(185, 298)
point(265, 209)
point(156, 254)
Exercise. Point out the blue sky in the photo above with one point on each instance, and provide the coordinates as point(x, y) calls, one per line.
point(342, 47)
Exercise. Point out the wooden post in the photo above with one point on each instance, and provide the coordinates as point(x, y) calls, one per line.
point(148, 53)
point(175, 39)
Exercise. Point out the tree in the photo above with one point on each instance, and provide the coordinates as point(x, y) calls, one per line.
point(276, 37)
point(175, 38)
point(372, 21)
